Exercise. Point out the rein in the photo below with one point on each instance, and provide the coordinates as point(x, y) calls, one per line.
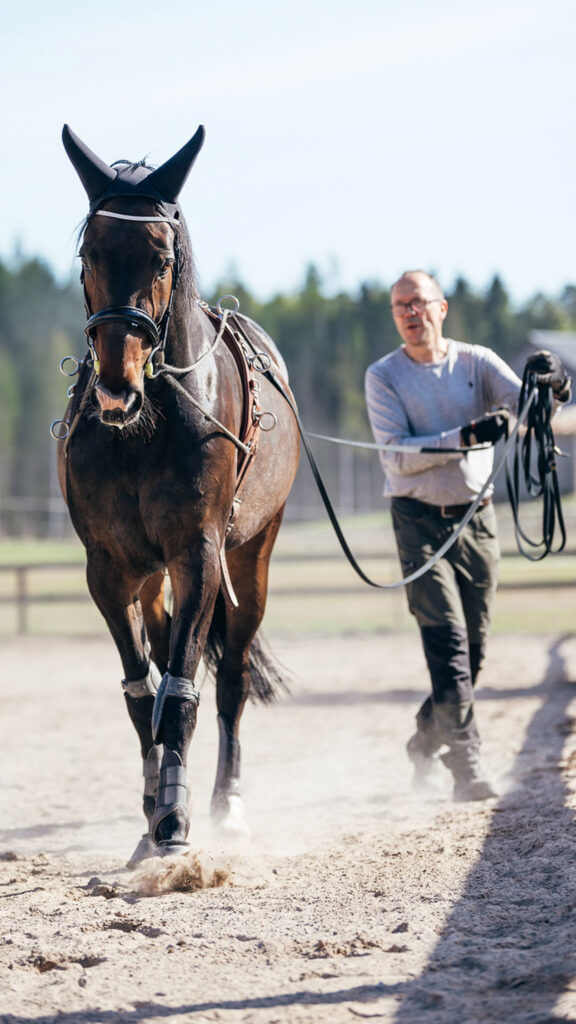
point(406, 449)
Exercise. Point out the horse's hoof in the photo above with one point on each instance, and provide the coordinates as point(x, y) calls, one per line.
point(229, 820)
point(146, 848)
point(169, 848)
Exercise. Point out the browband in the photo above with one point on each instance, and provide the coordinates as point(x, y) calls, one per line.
point(129, 216)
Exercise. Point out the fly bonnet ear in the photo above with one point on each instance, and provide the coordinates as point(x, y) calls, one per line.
point(95, 175)
point(169, 179)
point(103, 182)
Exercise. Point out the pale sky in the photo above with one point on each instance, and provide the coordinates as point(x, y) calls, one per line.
point(367, 137)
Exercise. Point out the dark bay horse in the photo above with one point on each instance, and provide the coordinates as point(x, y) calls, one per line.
point(168, 467)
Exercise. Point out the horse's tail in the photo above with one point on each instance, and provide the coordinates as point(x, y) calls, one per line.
point(267, 676)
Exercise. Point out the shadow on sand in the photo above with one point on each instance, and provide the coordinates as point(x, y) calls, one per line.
point(507, 951)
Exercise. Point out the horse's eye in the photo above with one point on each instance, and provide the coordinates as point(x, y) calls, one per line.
point(85, 263)
point(166, 267)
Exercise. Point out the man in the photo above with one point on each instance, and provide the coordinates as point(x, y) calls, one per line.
point(440, 393)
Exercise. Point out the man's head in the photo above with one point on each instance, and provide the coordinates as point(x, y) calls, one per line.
point(419, 310)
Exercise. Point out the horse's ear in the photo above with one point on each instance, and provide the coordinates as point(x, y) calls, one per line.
point(94, 174)
point(169, 179)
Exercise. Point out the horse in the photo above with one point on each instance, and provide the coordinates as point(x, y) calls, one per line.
point(170, 467)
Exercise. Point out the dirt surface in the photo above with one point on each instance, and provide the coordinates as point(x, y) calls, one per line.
point(354, 897)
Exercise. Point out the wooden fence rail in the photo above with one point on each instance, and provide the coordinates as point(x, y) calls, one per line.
point(21, 595)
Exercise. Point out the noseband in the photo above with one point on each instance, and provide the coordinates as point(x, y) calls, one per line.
point(131, 315)
point(125, 314)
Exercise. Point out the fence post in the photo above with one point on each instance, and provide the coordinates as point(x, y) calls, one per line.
point(22, 600)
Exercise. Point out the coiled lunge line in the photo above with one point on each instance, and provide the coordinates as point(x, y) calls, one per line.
point(537, 444)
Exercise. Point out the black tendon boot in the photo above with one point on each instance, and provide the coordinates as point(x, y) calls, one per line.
point(173, 723)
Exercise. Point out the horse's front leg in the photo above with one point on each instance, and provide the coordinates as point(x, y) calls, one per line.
point(116, 595)
point(195, 578)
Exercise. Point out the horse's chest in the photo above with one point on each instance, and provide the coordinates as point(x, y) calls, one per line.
point(135, 505)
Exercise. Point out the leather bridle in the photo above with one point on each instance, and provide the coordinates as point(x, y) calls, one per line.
point(157, 332)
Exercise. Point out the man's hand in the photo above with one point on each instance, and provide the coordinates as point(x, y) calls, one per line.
point(549, 370)
point(487, 430)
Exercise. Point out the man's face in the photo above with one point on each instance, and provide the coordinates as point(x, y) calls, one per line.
point(418, 312)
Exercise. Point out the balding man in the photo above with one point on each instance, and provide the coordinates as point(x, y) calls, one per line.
point(445, 394)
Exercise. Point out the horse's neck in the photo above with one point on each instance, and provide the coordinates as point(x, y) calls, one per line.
point(186, 337)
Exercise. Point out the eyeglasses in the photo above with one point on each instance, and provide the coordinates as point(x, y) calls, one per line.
point(418, 306)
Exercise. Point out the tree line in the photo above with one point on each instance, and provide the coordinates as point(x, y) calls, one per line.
point(327, 340)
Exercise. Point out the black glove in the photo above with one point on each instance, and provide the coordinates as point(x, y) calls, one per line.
point(488, 430)
point(549, 370)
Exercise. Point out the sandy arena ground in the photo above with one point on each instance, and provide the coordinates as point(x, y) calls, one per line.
point(354, 897)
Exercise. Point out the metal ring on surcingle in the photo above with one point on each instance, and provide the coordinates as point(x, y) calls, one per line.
point(54, 430)
point(260, 362)
point(221, 309)
point(71, 390)
point(271, 416)
point(72, 359)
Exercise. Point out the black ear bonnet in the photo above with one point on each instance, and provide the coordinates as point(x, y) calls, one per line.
point(162, 185)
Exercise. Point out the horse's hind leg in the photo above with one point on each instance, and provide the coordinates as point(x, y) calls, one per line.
point(248, 567)
point(117, 599)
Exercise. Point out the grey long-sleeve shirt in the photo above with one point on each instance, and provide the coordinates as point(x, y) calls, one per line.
point(425, 404)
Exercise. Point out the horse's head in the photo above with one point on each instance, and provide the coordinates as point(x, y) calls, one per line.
point(130, 254)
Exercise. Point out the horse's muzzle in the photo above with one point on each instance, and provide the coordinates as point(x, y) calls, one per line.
point(118, 410)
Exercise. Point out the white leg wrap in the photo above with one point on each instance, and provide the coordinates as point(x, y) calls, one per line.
point(145, 687)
